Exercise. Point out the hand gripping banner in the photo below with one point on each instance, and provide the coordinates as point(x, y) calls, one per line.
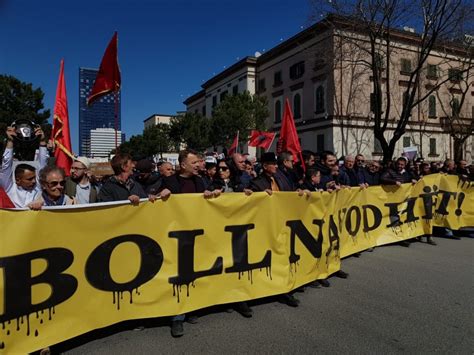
point(68, 271)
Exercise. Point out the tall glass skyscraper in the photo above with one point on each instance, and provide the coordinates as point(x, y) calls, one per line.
point(100, 115)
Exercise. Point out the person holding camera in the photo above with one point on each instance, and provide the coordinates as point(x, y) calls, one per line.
point(22, 185)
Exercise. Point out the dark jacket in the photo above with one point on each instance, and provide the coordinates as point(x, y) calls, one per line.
point(263, 182)
point(349, 176)
point(290, 176)
point(116, 190)
point(173, 183)
point(71, 187)
point(308, 185)
point(369, 178)
point(325, 174)
point(151, 185)
point(390, 177)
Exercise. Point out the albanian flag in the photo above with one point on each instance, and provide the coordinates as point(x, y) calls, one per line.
point(289, 140)
point(108, 78)
point(261, 139)
point(60, 133)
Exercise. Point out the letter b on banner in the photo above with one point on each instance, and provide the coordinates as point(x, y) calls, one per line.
point(18, 281)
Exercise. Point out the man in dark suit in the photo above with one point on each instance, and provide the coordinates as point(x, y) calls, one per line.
point(270, 181)
point(186, 181)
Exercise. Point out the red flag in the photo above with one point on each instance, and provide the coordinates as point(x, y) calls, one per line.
point(108, 78)
point(261, 139)
point(60, 133)
point(5, 201)
point(288, 140)
point(234, 146)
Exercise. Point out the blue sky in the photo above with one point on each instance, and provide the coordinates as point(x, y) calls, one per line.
point(167, 49)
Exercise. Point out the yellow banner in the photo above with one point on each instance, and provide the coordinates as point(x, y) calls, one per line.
point(67, 272)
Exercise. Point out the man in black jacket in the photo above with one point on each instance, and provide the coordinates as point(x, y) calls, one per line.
point(121, 186)
point(186, 181)
point(397, 176)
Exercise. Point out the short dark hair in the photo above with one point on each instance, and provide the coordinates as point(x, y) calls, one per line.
point(311, 172)
point(324, 155)
point(48, 170)
point(21, 168)
point(184, 154)
point(118, 161)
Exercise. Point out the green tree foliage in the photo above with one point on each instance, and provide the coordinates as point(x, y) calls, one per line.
point(191, 129)
point(155, 140)
point(19, 100)
point(242, 112)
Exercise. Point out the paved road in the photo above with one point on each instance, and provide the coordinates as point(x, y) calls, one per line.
point(411, 300)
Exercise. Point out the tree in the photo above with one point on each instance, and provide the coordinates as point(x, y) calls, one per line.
point(18, 100)
point(241, 112)
point(191, 129)
point(154, 141)
point(372, 26)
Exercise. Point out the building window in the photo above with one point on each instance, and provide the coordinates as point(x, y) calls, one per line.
point(204, 110)
point(214, 101)
point(406, 142)
point(223, 95)
point(297, 106)
point(405, 66)
point(432, 146)
point(297, 70)
point(277, 78)
point(261, 85)
point(377, 146)
point(235, 90)
point(319, 100)
point(455, 107)
point(432, 71)
point(320, 143)
point(432, 106)
point(277, 111)
point(454, 75)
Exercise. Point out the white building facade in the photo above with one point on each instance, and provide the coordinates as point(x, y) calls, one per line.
point(102, 142)
point(331, 101)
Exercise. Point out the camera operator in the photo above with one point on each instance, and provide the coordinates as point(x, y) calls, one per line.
point(22, 187)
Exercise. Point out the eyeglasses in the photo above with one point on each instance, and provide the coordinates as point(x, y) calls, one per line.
point(223, 168)
point(52, 184)
point(360, 160)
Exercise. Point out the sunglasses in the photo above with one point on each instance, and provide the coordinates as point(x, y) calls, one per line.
point(360, 160)
point(56, 183)
point(223, 168)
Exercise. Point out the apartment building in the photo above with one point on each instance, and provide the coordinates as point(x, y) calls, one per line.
point(319, 71)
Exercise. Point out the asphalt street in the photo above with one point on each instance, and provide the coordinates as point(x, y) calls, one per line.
point(396, 299)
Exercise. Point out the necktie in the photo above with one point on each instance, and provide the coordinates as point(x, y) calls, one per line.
point(274, 184)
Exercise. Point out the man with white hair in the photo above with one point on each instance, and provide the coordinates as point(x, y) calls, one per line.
point(78, 185)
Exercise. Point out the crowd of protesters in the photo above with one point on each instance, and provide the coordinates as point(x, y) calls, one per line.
point(209, 174)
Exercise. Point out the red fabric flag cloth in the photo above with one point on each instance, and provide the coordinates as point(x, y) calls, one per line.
point(60, 134)
point(289, 141)
point(235, 144)
point(261, 139)
point(5, 201)
point(108, 78)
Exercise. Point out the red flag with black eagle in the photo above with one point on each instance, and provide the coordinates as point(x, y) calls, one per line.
point(289, 141)
point(261, 139)
point(108, 78)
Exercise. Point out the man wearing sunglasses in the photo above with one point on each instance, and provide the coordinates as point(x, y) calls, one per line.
point(22, 185)
point(52, 181)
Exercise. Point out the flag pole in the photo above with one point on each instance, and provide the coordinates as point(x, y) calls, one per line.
point(116, 120)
